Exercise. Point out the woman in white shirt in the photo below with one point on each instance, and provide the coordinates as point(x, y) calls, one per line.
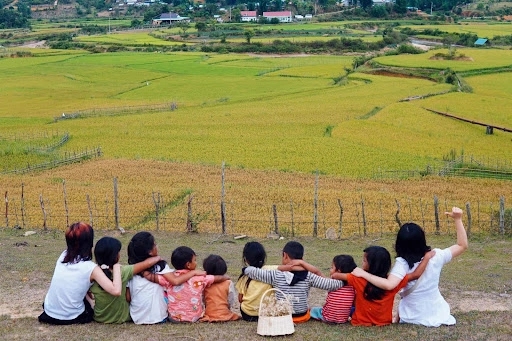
point(422, 302)
point(66, 302)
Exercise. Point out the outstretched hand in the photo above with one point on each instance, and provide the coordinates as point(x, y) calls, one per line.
point(456, 213)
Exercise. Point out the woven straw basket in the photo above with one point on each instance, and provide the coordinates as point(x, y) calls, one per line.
point(275, 325)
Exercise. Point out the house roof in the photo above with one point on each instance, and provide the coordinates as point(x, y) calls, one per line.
point(248, 13)
point(277, 14)
point(480, 41)
point(169, 15)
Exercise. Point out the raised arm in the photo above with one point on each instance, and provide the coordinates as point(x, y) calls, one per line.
point(421, 267)
point(339, 276)
point(141, 266)
point(384, 283)
point(112, 287)
point(462, 238)
point(220, 278)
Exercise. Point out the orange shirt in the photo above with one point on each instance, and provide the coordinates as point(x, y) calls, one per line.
point(373, 313)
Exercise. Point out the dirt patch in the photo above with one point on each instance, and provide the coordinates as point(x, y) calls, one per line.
point(36, 44)
point(458, 59)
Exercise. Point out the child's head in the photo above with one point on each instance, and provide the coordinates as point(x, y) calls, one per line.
point(79, 240)
point(106, 253)
point(141, 247)
point(343, 263)
point(254, 254)
point(377, 261)
point(215, 265)
point(292, 250)
point(183, 258)
point(411, 243)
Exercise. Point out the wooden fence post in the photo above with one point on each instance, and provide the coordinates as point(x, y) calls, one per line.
point(6, 210)
point(156, 201)
point(397, 218)
point(468, 213)
point(45, 228)
point(340, 222)
point(222, 203)
point(315, 207)
point(381, 218)
point(502, 215)
point(436, 214)
point(65, 201)
point(89, 207)
point(364, 216)
point(291, 217)
point(190, 223)
point(116, 205)
point(276, 225)
point(22, 205)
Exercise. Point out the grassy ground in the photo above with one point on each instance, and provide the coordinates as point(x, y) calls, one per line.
point(476, 285)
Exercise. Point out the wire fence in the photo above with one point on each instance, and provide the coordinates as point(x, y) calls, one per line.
point(66, 159)
point(322, 218)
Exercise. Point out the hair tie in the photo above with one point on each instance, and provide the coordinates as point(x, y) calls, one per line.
point(104, 267)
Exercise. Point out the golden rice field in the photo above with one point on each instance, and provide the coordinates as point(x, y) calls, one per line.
point(482, 30)
point(127, 38)
point(473, 59)
point(275, 121)
point(249, 196)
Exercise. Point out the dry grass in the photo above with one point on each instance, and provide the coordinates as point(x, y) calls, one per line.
point(477, 285)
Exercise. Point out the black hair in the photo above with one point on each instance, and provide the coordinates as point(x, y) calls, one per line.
point(106, 253)
point(139, 248)
point(215, 265)
point(344, 263)
point(294, 250)
point(379, 264)
point(181, 256)
point(79, 241)
point(411, 243)
point(254, 255)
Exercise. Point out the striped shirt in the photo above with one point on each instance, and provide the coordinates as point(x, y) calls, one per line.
point(299, 291)
point(338, 304)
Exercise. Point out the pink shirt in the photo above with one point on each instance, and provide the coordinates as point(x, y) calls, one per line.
point(185, 301)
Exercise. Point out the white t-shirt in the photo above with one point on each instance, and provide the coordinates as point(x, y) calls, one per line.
point(147, 305)
point(425, 305)
point(70, 283)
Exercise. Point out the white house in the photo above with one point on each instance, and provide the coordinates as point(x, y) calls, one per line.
point(283, 16)
point(169, 18)
point(248, 15)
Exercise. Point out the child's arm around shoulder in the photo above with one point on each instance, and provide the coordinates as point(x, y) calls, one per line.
point(300, 265)
point(384, 283)
point(146, 264)
point(421, 267)
point(112, 287)
point(266, 276)
point(220, 278)
point(182, 278)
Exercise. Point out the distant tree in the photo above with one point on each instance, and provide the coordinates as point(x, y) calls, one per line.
point(135, 23)
point(184, 26)
point(366, 4)
point(400, 6)
point(12, 19)
point(236, 16)
point(274, 21)
point(200, 26)
point(248, 35)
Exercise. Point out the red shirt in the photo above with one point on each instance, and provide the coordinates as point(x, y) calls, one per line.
point(373, 313)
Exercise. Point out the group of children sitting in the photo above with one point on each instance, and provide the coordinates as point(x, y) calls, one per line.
point(148, 291)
